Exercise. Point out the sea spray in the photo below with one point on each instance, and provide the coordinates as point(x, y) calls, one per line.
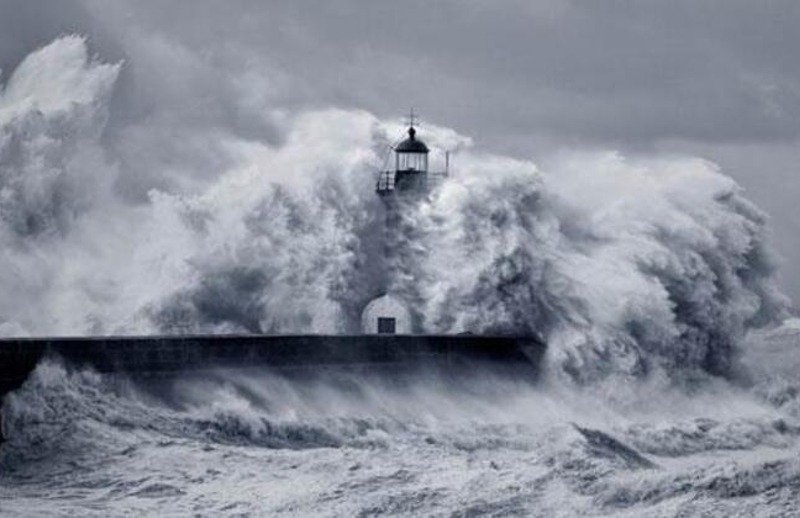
point(662, 265)
point(624, 266)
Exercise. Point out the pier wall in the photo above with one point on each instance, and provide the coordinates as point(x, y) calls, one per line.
point(162, 355)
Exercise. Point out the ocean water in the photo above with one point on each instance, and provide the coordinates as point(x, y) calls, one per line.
point(258, 444)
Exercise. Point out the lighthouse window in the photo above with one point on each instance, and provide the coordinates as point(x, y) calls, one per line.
point(386, 326)
point(412, 161)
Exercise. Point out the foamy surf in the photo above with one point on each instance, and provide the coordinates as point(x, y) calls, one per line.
point(235, 445)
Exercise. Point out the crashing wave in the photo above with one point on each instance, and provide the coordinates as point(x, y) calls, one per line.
point(625, 266)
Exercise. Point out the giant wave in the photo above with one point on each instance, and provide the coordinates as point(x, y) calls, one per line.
point(624, 265)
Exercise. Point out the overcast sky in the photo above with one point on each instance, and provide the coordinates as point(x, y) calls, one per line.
point(717, 79)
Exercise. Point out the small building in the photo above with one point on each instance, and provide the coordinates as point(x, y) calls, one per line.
point(386, 315)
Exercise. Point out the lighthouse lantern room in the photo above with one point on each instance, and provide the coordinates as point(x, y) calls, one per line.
point(410, 174)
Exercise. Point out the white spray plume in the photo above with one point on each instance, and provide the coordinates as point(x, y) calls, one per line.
point(622, 265)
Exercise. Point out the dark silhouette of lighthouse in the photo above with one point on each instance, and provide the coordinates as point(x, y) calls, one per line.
point(399, 189)
point(410, 176)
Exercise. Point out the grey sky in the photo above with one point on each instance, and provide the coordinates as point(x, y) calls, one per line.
point(720, 79)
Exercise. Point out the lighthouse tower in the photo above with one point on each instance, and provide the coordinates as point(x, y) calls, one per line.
point(398, 189)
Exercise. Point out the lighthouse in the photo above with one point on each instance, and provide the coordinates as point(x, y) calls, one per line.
point(399, 188)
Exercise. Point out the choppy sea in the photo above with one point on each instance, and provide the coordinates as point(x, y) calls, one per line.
point(228, 444)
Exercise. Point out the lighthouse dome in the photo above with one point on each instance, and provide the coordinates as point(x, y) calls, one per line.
point(411, 144)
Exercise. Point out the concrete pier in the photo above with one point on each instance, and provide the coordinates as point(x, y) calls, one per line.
point(164, 355)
